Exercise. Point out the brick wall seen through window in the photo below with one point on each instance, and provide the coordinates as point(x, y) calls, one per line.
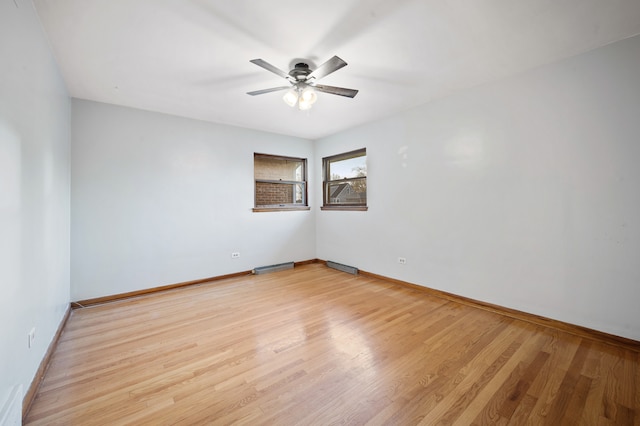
point(280, 182)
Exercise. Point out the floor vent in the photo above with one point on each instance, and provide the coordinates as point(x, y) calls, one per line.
point(343, 268)
point(273, 268)
point(11, 411)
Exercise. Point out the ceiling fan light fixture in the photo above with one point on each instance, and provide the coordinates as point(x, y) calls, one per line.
point(303, 82)
point(290, 98)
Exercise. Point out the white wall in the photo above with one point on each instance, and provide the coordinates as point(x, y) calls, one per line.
point(524, 193)
point(158, 199)
point(34, 195)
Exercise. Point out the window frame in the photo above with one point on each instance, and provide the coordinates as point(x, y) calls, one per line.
point(326, 181)
point(287, 206)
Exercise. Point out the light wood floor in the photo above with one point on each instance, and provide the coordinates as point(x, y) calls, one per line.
point(317, 346)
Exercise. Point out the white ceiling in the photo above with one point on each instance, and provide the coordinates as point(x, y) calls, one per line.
point(191, 57)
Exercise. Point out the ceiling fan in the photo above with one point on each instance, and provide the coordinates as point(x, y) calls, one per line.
point(302, 82)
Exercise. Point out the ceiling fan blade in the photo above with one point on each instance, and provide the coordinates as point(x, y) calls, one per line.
point(267, 66)
point(263, 91)
point(349, 93)
point(333, 64)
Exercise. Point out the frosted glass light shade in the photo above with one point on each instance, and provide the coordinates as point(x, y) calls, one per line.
point(308, 95)
point(290, 98)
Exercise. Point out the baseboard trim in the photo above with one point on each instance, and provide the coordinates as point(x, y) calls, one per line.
point(44, 364)
point(121, 296)
point(306, 262)
point(577, 330)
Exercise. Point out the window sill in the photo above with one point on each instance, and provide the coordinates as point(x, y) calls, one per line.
point(280, 209)
point(346, 208)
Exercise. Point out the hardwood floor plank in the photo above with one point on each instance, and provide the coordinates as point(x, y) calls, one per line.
point(628, 388)
point(484, 407)
point(437, 377)
point(476, 374)
point(317, 346)
point(449, 375)
point(521, 416)
point(568, 384)
point(596, 369)
point(545, 387)
point(577, 400)
point(450, 407)
point(516, 386)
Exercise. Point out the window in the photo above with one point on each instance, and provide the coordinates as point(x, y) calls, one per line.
point(281, 183)
point(345, 181)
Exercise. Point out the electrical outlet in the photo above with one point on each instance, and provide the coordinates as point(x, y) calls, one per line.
point(402, 260)
point(235, 255)
point(32, 337)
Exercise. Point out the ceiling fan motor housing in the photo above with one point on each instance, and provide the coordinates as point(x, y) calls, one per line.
point(300, 72)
